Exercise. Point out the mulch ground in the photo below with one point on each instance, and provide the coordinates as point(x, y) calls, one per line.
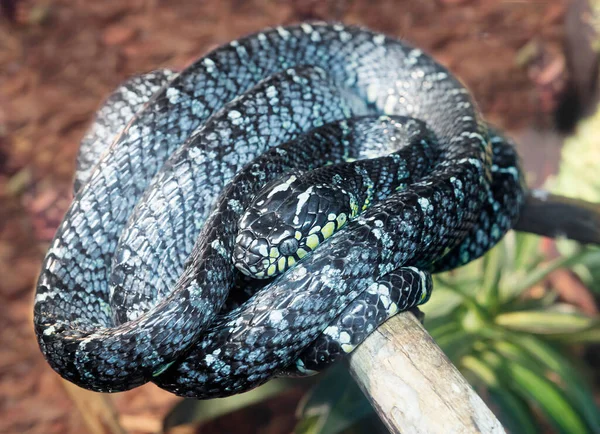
point(59, 59)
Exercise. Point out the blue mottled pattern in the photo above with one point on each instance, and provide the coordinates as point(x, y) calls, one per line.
point(135, 283)
point(118, 109)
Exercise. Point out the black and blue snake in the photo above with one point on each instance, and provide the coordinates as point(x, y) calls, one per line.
point(140, 283)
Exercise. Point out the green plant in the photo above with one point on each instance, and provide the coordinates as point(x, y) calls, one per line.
point(509, 335)
point(578, 178)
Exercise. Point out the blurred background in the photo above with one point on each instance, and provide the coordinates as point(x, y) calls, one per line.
point(521, 324)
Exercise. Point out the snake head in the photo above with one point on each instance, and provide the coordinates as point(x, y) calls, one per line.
point(287, 220)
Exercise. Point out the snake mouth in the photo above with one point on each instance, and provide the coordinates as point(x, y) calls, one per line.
point(247, 262)
point(265, 246)
point(252, 255)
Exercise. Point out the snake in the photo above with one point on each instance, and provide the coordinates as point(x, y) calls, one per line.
point(144, 280)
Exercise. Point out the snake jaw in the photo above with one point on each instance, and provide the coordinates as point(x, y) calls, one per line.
point(248, 253)
point(264, 248)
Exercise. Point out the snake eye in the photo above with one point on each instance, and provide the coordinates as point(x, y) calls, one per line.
point(288, 247)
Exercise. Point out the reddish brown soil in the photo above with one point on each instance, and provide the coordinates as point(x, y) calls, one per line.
point(59, 59)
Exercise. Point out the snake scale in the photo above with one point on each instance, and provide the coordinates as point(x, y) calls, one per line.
point(139, 283)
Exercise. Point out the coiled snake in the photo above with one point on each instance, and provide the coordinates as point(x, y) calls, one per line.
point(139, 282)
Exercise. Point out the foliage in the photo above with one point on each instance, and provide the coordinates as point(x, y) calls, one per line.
point(578, 178)
point(505, 330)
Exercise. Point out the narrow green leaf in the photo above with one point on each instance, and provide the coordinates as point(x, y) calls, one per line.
point(513, 412)
point(310, 423)
point(588, 269)
point(591, 335)
point(544, 322)
point(564, 308)
point(529, 350)
point(548, 397)
point(438, 327)
point(442, 302)
point(589, 279)
point(528, 254)
point(492, 271)
point(541, 303)
point(483, 371)
point(457, 278)
point(456, 344)
point(537, 274)
point(510, 243)
point(539, 391)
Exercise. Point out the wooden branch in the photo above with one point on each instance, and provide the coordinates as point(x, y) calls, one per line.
point(413, 385)
point(554, 216)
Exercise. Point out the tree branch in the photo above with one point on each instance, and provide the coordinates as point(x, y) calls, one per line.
point(554, 216)
point(413, 385)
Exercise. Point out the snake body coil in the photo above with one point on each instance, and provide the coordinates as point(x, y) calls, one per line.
point(134, 284)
